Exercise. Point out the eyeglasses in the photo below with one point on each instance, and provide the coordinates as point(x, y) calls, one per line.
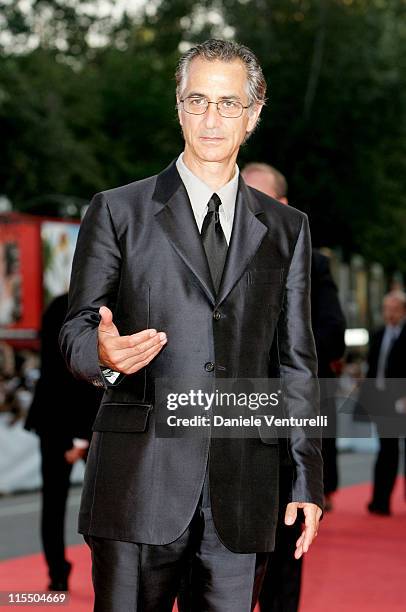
point(198, 105)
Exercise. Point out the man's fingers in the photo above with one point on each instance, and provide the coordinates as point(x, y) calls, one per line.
point(74, 454)
point(126, 350)
point(152, 353)
point(311, 526)
point(298, 552)
point(134, 362)
point(291, 513)
point(144, 345)
point(142, 336)
point(106, 317)
point(299, 546)
point(127, 342)
point(299, 541)
point(309, 533)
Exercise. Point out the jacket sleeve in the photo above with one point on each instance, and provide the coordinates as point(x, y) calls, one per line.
point(94, 282)
point(298, 373)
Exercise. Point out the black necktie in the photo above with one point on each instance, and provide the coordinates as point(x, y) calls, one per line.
point(214, 241)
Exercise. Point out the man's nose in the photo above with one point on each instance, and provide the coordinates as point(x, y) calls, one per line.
point(212, 117)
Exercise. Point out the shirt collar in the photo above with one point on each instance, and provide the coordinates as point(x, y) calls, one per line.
point(395, 329)
point(200, 193)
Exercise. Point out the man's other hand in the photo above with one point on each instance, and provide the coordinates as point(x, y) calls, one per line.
point(126, 354)
point(74, 454)
point(312, 514)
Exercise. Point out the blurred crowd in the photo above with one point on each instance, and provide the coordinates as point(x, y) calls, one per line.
point(19, 372)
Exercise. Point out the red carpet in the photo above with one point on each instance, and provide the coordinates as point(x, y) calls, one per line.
point(358, 563)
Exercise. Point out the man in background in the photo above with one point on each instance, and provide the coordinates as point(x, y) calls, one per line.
point(386, 360)
point(61, 414)
point(281, 588)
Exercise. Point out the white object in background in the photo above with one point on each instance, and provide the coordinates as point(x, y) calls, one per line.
point(20, 459)
point(357, 336)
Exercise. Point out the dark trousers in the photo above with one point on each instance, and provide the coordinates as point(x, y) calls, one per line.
point(329, 449)
point(282, 583)
point(55, 486)
point(385, 472)
point(330, 471)
point(130, 577)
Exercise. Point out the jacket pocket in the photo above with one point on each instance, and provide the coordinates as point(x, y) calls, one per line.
point(266, 436)
point(122, 417)
point(270, 276)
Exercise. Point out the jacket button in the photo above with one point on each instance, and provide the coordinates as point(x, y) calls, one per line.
point(216, 315)
point(209, 366)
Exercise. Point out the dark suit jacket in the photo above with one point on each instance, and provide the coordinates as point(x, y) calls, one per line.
point(396, 362)
point(140, 253)
point(63, 407)
point(328, 321)
point(381, 403)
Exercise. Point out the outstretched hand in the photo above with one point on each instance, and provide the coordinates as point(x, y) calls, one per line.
point(126, 354)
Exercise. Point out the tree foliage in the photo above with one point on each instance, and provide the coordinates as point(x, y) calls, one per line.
point(87, 102)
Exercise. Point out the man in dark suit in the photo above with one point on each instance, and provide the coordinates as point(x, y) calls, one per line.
point(387, 366)
point(61, 414)
point(200, 273)
point(328, 323)
point(282, 582)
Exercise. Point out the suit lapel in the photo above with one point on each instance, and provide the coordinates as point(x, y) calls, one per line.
point(247, 235)
point(175, 216)
point(177, 220)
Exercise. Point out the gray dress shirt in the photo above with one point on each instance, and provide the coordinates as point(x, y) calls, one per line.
point(200, 193)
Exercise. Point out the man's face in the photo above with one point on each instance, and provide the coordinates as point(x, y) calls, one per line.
point(211, 137)
point(393, 311)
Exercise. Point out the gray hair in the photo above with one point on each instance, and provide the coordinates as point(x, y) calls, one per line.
point(225, 51)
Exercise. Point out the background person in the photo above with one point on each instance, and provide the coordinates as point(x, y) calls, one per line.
point(61, 414)
point(386, 361)
point(281, 588)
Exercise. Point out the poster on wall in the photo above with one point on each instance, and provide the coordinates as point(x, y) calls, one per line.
point(58, 247)
point(10, 282)
point(20, 278)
